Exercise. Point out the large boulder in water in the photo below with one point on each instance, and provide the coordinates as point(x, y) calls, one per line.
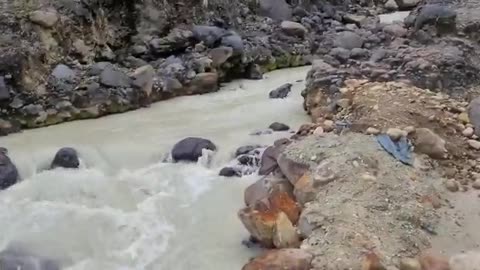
point(190, 149)
point(281, 92)
point(66, 157)
point(8, 170)
point(15, 259)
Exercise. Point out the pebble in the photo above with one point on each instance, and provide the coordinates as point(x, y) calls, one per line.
point(476, 184)
point(474, 144)
point(395, 133)
point(410, 264)
point(318, 131)
point(463, 117)
point(468, 132)
point(328, 125)
point(372, 131)
point(452, 185)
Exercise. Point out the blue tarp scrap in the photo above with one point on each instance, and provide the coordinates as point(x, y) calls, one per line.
point(400, 150)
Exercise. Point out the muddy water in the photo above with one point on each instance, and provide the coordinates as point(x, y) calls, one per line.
point(125, 209)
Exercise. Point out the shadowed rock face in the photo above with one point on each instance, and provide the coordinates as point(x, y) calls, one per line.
point(67, 158)
point(8, 170)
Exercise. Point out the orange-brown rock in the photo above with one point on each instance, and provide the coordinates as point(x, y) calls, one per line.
point(285, 203)
point(430, 261)
point(282, 259)
point(372, 262)
point(263, 188)
point(260, 224)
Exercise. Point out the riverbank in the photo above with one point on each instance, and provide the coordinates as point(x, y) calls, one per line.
point(87, 60)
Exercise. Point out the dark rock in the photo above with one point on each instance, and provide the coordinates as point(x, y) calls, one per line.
point(204, 83)
point(66, 157)
point(190, 149)
point(341, 54)
point(276, 126)
point(348, 40)
point(97, 68)
point(395, 30)
point(16, 259)
point(4, 92)
point(275, 9)
point(32, 109)
point(229, 172)
point(293, 28)
point(281, 92)
point(246, 149)
point(111, 77)
point(234, 41)
point(254, 72)
point(8, 171)
point(64, 73)
point(248, 160)
point(220, 55)
point(439, 15)
point(407, 4)
point(208, 34)
point(261, 132)
point(358, 53)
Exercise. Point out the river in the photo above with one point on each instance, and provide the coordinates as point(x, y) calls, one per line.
point(125, 208)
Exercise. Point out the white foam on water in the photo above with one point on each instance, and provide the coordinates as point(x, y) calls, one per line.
point(124, 208)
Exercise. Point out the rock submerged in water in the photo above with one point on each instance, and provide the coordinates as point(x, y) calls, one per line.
point(229, 172)
point(66, 157)
point(191, 148)
point(276, 126)
point(8, 170)
point(16, 258)
point(281, 92)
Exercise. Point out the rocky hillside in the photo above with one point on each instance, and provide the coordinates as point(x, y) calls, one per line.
point(67, 60)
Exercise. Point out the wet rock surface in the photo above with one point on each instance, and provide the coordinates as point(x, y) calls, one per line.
point(191, 149)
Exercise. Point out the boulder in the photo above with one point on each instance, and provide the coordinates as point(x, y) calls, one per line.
point(209, 35)
point(16, 259)
point(275, 9)
point(66, 157)
point(230, 172)
point(429, 143)
point(64, 73)
point(291, 169)
point(268, 162)
point(281, 259)
point(97, 68)
point(47, 19)
point(348, 40)
point(220, 55)
point(439, 15)
point(143, 79)
point(407, 4)
point(204, 83)
point(8, 170)
point(474, 114)
point(340, 54)
point(276, 126)
point(248, 160)
point(293, 28)
point(234, 41)
point(264, 188)
point(191, 148)
point(281, 92)
point(284, 234)
point(260, 224)
point(391, 5)
point(111, 77)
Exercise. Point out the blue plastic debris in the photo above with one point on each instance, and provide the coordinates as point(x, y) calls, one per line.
point(400, 150)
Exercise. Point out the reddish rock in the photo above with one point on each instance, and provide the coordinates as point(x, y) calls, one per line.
point(260, 224)
point(430, 261)
point(285, 203)
point(372, 262)
point(282, 259)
